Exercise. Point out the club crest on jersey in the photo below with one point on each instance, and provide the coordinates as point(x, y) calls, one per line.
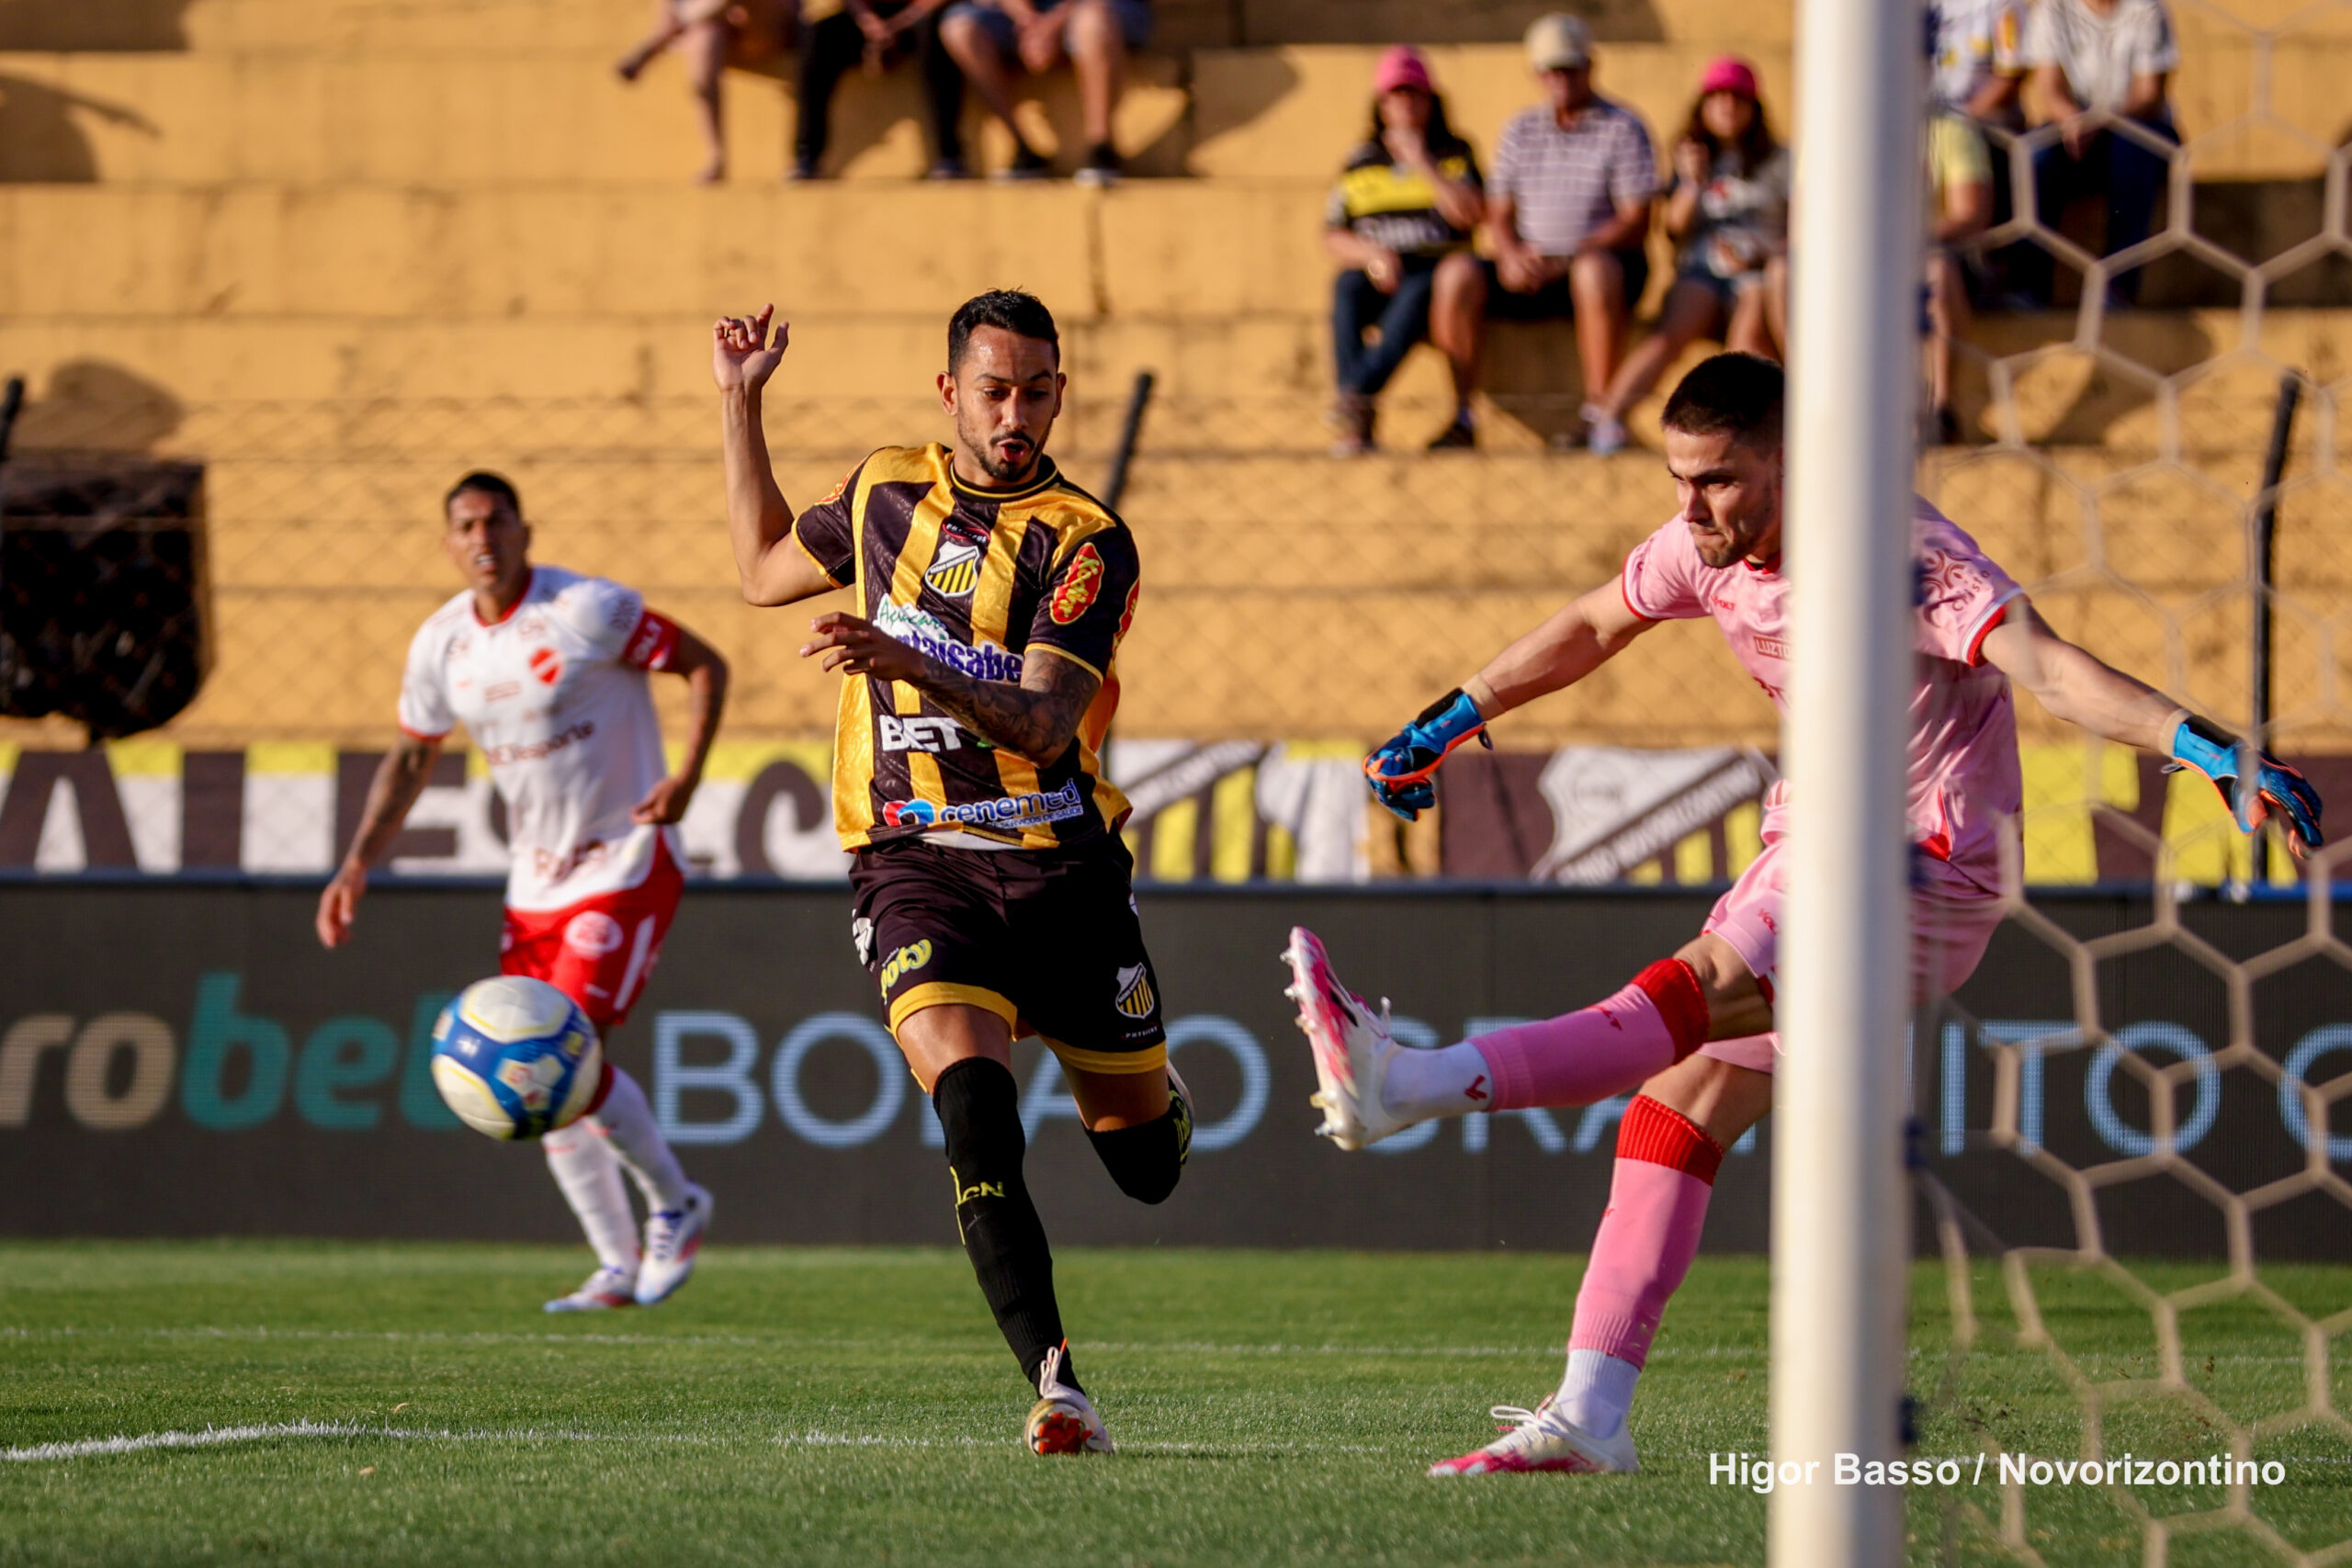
point(954, 571)
point(547, 665)
point(1134, 998)
point(1080, 585)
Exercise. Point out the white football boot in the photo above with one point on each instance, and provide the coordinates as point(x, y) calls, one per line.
point(608, 1287)
point(1543, 1439)
point(672, 1237)
point(1351, 1047)
point(1064, 1421)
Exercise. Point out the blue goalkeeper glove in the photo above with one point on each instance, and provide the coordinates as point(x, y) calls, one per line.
point(1401, 772)
point(2203, 745)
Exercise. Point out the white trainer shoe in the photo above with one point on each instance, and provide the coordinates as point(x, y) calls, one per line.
point(1543, 1439)
point(672, 1236)
point(1063, 1421)
point(1353, 1048)
point(608, 1287)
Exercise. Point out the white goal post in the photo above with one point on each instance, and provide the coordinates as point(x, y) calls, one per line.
point(1840, 1220)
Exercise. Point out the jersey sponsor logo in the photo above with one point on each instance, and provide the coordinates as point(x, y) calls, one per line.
point(1771, 648)
point(500, 691)
point(905, 962)
point(921, 631)
point(861, 936)
point(1079, 586)
point(1005, 812)
point(956, 571)
point(549, 866)
point(533, 751)
point(547, 665)
point(592, 933)
point(920, 734)
point(1134, 998)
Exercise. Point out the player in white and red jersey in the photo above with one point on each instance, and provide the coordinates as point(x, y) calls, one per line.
point(547, 670)
point(1692, 1032)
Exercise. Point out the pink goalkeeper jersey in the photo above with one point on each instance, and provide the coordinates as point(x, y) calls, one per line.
point(1964, 726)
point(555, 696)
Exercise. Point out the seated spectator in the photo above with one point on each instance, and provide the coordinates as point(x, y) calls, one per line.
point(1976, 64)
point(2095, 59)
point(1959, 194)
point(713, 35)
point(879, 34)
point(1728, 207)
point(1568, 209)
point(1399, 223)
point(991, 38)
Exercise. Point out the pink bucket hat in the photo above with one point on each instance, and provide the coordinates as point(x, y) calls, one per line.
point(1729, 74)
point(1401, 67)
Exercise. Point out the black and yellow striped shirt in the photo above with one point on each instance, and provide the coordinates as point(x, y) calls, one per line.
point(981, 580)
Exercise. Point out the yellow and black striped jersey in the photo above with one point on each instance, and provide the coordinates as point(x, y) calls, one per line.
point(981, 580)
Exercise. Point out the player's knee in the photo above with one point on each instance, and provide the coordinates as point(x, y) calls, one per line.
point(1148, 1161)
point(1675, 990)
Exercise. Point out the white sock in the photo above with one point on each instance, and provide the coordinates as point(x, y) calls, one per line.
point(639, 1144)
point(1448, 1082)
point(589, 1174)
point(1597, 1391)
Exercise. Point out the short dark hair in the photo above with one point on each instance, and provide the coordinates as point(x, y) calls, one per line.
point(487, 483)
point(1013, 309)
point(1739, 395)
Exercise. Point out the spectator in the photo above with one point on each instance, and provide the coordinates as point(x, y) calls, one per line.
point(712, 35)
point(1729, 208)
point(879, 33)
point(1569, 210)
point(1975, 59)
point(1960, 187)
point(1399, 223)
point(2097, 61)
point(990, 38)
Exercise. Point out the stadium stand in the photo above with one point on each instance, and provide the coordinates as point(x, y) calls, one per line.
point(341, 250)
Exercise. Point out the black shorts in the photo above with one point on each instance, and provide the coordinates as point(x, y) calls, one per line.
point(1555, 301)
point(1047, 940)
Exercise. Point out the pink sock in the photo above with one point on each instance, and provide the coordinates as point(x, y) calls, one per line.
point(1606, 1049)
point(1657, 1206)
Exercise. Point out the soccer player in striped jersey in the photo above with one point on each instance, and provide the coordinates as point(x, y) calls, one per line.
point(1694, 1033)
point(547, 670)
point(993, 892)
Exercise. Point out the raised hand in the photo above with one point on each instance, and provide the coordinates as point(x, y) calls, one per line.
point(741, 358)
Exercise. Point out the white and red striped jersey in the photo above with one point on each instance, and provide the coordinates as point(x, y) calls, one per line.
point(555, 696)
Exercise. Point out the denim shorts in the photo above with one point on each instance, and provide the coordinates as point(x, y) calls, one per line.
point(1133, 18)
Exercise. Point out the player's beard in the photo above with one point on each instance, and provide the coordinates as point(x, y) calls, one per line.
point(981, 444)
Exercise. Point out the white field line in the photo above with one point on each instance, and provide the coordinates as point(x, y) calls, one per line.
point(214, 1436)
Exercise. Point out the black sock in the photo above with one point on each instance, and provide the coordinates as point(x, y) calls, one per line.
point(980, 1109)
point(1148, 1161)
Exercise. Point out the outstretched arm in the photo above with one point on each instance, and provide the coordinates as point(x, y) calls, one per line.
point(2087, 692)
point(772, 568)
point(400, 778)
point(2077, 686)
point(1576, 640)
point(706, 674)
point(1033, 720)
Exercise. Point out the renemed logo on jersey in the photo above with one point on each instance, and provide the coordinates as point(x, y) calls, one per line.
point(920, 630)
point(1006, 811)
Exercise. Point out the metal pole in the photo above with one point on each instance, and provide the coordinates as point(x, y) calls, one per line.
point(2266, 537)
point(1130, 432)
point(1839, 1200)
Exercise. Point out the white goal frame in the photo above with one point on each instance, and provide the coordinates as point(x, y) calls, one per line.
point(1839, 1199)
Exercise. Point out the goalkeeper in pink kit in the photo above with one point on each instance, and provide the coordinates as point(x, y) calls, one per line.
point(1692, 1032)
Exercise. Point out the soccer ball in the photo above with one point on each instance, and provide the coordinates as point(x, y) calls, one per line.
point(515, 1057)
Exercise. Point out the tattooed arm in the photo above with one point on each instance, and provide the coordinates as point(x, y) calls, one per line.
point(1033, 720)
point(400, 778)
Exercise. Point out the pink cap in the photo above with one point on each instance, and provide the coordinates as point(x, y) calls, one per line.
point(1728, 74)
point(1401, 67)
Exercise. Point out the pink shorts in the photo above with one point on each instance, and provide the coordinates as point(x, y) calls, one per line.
point(1949, 935)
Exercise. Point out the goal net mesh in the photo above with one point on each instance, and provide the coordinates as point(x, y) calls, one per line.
point(2132, 1155)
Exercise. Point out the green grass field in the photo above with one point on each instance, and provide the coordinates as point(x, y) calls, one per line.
point(857, 1406)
